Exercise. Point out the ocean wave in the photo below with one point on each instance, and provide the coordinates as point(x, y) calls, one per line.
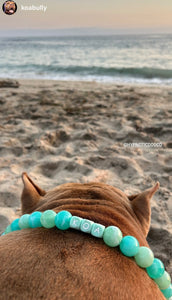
point(147, 73)
point(53, 70)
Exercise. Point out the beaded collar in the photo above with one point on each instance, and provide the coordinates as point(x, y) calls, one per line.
point(111, 235)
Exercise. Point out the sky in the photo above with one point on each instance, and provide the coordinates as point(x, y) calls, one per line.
point(125, 15)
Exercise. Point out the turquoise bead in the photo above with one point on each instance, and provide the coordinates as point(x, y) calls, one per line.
point(48, 218)
point(144, 258)
point(97, 230)
point(129, 246)
point(156, 270)
point(8, 229)
point(164, 281)
point(112, 236)
point(24, 221)
point(62, 220)
point(15, 225)
point(86, 225)
point(35, 219)
point(75, 222)
point(167, 292)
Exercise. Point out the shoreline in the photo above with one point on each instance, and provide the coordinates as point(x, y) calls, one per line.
point(34, 81)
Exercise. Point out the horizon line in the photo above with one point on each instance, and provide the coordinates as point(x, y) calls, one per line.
point(86, 31)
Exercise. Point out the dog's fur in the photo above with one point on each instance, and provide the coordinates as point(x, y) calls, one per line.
point(52, 264)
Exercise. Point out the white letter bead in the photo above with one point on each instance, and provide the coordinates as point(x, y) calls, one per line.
point(75, 222)
point(86, 225)
point(97, 230)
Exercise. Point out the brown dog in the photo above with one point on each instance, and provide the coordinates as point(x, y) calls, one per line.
point(52, 264)
point(9, 7)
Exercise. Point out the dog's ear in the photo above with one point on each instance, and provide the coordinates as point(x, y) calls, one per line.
point(31, 194)
point(142, 207)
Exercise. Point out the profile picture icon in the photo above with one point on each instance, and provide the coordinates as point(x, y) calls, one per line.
point(9, 7)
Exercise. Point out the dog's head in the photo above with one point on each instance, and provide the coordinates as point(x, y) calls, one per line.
point(99, 202)
point(9, 6)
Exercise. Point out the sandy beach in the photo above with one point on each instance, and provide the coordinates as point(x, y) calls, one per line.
point(60, 132)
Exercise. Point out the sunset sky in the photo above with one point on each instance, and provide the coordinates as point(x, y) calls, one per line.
point(121, 14)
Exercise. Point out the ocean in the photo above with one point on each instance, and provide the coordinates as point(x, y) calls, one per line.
point(109, 58)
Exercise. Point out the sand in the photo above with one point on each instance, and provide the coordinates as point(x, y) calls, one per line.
point(79, 132)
